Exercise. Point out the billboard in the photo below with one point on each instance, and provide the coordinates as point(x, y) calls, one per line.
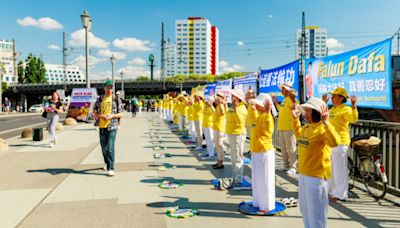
point(272, 78)
point(364, 72)
point(225, 87)
point(246, 83)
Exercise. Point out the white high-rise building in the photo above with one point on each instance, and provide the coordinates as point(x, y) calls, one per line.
point(54, 74)
point(197, 47)
point(315, 42)
point(170, 54)
point(7, 58)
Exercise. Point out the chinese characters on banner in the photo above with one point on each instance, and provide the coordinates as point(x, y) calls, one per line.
point(365, 73)
point(272, 78)
point(246, 83)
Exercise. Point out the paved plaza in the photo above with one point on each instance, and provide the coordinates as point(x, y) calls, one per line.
point(65, 186)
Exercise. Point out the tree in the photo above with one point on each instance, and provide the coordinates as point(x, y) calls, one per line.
point(35, 70)
point(4, 86)
point(142, 79)
point(21, 72)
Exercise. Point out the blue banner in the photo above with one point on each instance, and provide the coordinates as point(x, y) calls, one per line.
point(246, 83)
point(272, 78)
point(365, 73)
point(209, 90)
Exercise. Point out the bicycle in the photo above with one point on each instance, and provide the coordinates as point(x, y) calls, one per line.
point(367, 167)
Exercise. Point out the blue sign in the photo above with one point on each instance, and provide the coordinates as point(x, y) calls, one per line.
point(209, 90)
point(272, 78)
point(246, 83)
point(365, 73)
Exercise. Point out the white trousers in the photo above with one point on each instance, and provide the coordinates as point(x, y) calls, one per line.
point(171, 115)
point(219, 144)
point(263, 180)
point(209, 135)
point(192, 130)
point(339, 183)
point(180, 122)
point(185, 128)
point(160, 110)
point(314, 202)
point(199, 132)
point(236, 143)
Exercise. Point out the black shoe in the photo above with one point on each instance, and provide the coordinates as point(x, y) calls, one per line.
point(218, 166)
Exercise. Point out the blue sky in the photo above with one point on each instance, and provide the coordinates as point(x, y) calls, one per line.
point(132, 29)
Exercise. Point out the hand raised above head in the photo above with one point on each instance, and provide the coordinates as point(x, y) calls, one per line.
point(325, 98)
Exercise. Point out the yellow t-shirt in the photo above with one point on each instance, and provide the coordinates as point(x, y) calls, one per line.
point(236, 120)
point(219, 119)
point(171, 104)
point(340, 117)
point(190, 112)
point(285, 119)
point(198, 110)
point(314, 145)
point(261, 138)
point(208, 116)
point(252, 115)
point(106, 108)
point(184, 108)
point(140, 104)
point(165, 104)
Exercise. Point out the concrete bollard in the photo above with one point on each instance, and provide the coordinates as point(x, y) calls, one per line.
point(3, 145)
point(70, 121)
point(26, 133)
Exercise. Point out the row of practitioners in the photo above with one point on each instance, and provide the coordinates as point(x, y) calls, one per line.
point(322, 143)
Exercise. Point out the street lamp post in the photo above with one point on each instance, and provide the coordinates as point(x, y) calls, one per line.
point(112, 58)
point(87, 25)
point(122, 83)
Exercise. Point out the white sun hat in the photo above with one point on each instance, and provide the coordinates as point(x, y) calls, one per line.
point(239, 94)
point(313, 103)
point(261, 98)
point(210, 98)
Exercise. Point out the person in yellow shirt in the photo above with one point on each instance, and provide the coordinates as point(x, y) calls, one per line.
point(340, 116)
point(165, 107)
point(192, 130)
point(108, 110)
point(252, 113)
point(236, 131)
point(198, 108)
point(263, 154)
point(160, 107)
point(219, 121)
point(286, 136)
point(208, 115)
point(184, 113)
point(176, 107)
point(315, 141)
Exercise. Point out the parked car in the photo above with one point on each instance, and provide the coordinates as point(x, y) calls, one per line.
point(36, 108)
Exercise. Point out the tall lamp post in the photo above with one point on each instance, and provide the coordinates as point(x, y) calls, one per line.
point(87, 25)
point(112, 58)
point(122, 84)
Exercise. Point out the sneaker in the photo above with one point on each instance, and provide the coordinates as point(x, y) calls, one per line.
point(198, 148)
point(111, 173)
point(105, 167)
point(51, 145)
point(291, 171)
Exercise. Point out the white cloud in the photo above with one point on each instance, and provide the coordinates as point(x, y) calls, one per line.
point(78, 39)
point(270, 16)
point(101, 75)
point(225, 67)
point(107, 53)
point(333, 52)
point(54, 47)
point(45, 23)
point(137, 61)
point(132, 44)
point(240, 43)
point(333, 43)
point(80, 61)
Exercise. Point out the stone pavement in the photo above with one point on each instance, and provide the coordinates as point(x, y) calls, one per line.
point(64, 186)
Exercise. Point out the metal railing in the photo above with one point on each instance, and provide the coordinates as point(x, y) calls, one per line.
point(389, 133)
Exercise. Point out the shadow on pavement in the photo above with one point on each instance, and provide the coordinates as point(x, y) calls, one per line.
point(57, 171)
